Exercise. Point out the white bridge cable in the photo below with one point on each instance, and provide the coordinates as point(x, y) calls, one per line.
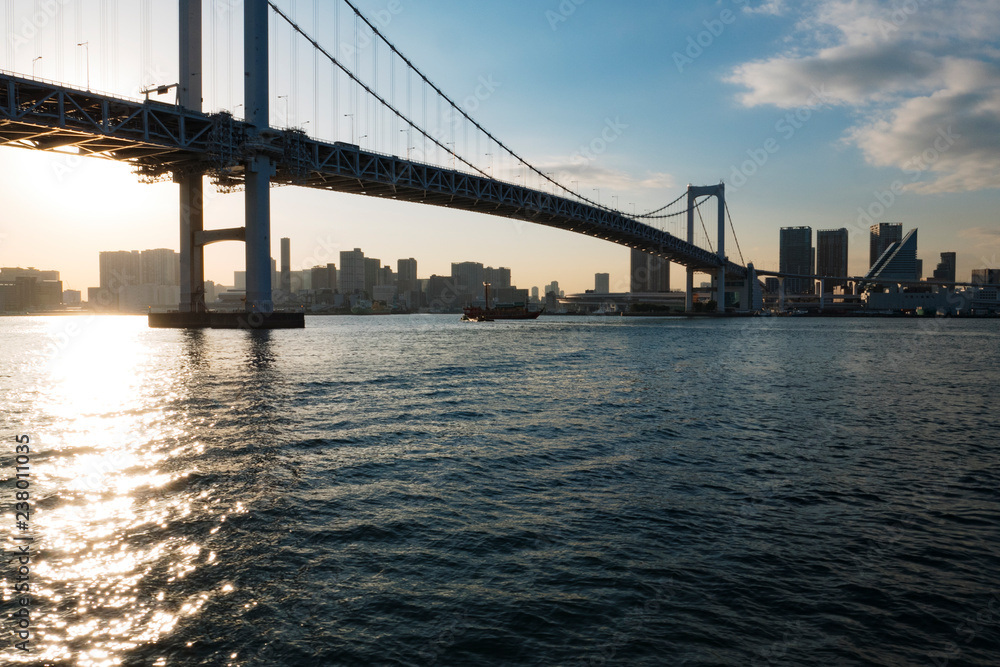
point(366, 87)
point(461, 111)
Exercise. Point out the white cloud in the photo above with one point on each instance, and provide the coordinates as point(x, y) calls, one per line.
point(911, 70)
point(772, 7)
point(587, 172)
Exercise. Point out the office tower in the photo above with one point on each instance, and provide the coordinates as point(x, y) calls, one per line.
point(497, 278)
point(898, 262)
point(286, 266)
point(831, 255)
point(552, 288)
point(373, 267)
point(407, 285)
point(161, 266)
point(602, 283)
point(352, 271)
point(469, 278)
point(986, 276)
point(324, 277)
point(534, 295)
point(648, 273)
point(239, 280)
point(881, 237)
point(796, 256)
point(946, 268)
point(119, 269)
point(406, 275)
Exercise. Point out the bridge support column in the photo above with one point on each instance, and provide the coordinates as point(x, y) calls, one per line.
point(720, 298)
point(192, 258)
point(689, 291)
point(259, 168)
point(192, 220)
point(781, 294)
point(822, 301)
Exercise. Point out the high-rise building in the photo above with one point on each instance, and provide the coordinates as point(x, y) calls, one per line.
point(469, 278)
point(534, 295)
point(286, 266)
point(121, 268)
point(497, 278)
point(324, 277)
point(161, 266)
point(406, 275)
point(796, 256)
point(552, 288)
point(352, 271)
point(649, 273)
point(882, 235)
point(946, 268)
point(986, 276)
point(831, 256)
point(602, 283)
point(407, 285)
point(898, 262)
point(373, 267)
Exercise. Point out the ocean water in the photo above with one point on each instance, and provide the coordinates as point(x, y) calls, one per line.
point(416, 490)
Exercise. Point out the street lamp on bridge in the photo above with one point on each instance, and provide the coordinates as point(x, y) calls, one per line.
point(86, 45)
point(33, 62)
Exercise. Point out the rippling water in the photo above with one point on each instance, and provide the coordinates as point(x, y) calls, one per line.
point(417, 491)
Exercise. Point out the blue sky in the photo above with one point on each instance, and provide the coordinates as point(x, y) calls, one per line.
point(827, 114)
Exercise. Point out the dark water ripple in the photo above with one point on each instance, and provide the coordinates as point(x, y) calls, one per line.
point(419, 491)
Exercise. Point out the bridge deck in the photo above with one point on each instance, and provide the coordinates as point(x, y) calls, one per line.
point(160, 139)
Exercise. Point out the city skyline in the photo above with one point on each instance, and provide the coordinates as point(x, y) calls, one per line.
point(759, 105)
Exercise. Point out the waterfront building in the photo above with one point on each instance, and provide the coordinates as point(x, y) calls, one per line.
point(286, 266)
point(352, 271)
point(881, 236)
point(648, 273)
point(497, 278)
point(602, 283)
point(468, 278)
point(324, 277)
point(898, 262)
point(986, 276)
point(831, 255)
point(796, 256)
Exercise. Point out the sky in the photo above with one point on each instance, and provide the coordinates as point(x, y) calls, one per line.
point(824, 114)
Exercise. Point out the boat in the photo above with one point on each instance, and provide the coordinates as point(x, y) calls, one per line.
point(513, 311)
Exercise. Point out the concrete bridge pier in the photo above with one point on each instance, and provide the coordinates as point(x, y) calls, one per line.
point(192, 220)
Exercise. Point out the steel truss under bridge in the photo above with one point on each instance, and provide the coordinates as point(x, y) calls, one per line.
point(161, 140)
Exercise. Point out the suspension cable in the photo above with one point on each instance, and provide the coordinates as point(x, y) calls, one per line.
point(458, 109)
point(371, 92)
point(735, 238)
point(705, 229)
point(650, 214)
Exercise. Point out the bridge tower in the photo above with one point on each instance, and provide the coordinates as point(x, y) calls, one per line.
point(259, 167)
point(192, 218)
point(719, 192)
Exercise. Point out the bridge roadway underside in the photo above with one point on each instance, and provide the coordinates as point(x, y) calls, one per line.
point(160, 140)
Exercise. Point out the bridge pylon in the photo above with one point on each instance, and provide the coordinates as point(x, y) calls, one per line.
point(192, 210)
point(719, 192)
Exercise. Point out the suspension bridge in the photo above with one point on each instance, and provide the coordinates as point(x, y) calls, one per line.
point(444, 167)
